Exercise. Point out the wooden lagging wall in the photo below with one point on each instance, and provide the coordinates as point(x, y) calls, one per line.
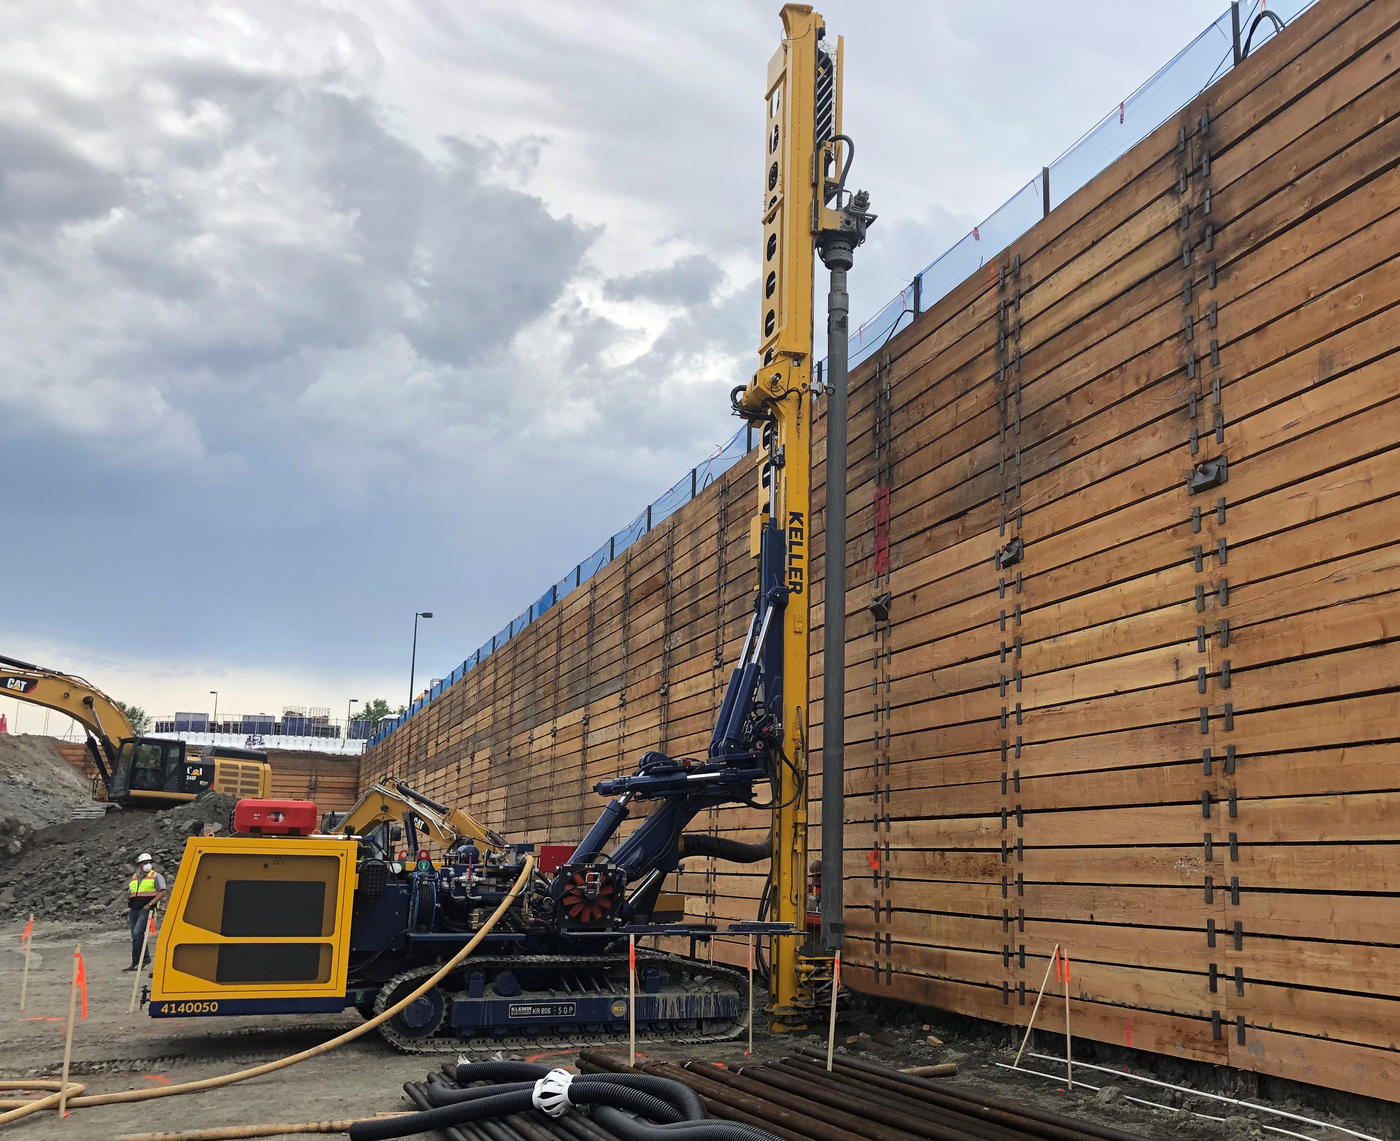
point(1154, 725)
point(634, 660)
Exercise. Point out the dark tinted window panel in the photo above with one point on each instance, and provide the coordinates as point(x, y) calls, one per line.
point(269, 963)
point(272, 909)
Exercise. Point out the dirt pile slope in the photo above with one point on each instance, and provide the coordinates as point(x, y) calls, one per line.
point(38, 788)
point(82, 867)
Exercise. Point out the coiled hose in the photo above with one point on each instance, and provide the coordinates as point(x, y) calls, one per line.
point(672, 1109)
point(682, 1098)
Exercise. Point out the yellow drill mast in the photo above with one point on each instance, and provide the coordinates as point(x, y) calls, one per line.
point(801, 150)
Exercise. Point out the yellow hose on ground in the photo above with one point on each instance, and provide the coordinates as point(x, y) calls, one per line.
point(315, 1051)
point(24, 1108)
point(241, 1132)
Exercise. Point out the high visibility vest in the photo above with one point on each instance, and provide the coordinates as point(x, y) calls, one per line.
point(139, 886)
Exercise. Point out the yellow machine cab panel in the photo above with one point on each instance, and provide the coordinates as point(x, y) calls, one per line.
point(256, 926)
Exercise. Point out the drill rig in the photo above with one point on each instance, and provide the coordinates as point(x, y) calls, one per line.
point(320, 922)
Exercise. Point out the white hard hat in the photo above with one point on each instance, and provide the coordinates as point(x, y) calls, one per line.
point(144, 858)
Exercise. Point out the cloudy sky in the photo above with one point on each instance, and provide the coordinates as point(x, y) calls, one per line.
point(315, 314)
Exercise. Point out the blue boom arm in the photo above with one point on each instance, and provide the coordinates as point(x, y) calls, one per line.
point(743, 747)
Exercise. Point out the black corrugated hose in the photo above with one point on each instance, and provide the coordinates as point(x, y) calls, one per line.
point(665, 1110)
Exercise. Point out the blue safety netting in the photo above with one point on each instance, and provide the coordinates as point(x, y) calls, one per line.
point(1199, 64)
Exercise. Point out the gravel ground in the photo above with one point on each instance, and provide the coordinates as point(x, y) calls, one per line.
point(38, 788)
point(117, 1051)
point(80, 869)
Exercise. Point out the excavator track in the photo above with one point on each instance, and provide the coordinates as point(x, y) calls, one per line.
point(428, 1029)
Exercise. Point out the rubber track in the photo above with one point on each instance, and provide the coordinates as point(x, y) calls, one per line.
point(446, 1043)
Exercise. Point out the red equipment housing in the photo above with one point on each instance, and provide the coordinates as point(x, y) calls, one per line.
point(552, 857)
point(275, 817)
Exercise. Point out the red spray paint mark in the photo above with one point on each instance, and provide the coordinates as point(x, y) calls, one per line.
point(553, 1054)
point(1128, 1032)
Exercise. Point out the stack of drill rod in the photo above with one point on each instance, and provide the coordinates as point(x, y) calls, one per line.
point(797, 1099)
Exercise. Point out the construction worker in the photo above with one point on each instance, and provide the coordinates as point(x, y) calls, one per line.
point(144, 892)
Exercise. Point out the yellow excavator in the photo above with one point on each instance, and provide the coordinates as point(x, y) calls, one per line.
point(135, 769)
point(391, 812)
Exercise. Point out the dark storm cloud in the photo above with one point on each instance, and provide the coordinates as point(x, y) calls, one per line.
point(316, 314)
point(237, 257)
point(489, 260)
point(689, 281)
point(44, 183)
point(242, 312)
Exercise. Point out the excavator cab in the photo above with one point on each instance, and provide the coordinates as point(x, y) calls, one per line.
point(148, 765)
point(151, 769)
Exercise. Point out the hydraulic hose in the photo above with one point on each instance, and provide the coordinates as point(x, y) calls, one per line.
point(684, 1099)
point(23, 1108)
point(315, 1051)
point(644, 1102)
point(723, 848)
point(630, 1129)
point(499, 1072)
point(518, 1100)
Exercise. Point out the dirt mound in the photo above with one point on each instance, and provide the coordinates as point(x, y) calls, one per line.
point(38, 788)
point(81, 868)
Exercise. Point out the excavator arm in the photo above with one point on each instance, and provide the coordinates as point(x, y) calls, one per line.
point(107, 726)
point(133, 768)
point(385, 804)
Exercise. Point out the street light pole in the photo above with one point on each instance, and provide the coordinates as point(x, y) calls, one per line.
point(413, 661)
point(348, 704)
point(215, 727)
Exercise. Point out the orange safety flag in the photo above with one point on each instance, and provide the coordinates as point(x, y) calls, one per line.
point(80, 980)
point(836, 971)
point(151, 923)
point(27, 934)
point(632, 956)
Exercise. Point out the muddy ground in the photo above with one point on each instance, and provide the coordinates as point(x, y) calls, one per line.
point(116, 1051)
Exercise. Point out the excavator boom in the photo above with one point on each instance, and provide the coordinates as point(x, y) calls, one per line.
point(386, 803)
point(107, 725)
point(133, 768)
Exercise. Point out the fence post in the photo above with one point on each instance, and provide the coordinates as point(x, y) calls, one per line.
point(612, 547)
point(748, 439)
point(648, 530)
point(1235, 29)
point(554, 594)
point(692, 483)
point(1045, 191)
point(918, 293)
